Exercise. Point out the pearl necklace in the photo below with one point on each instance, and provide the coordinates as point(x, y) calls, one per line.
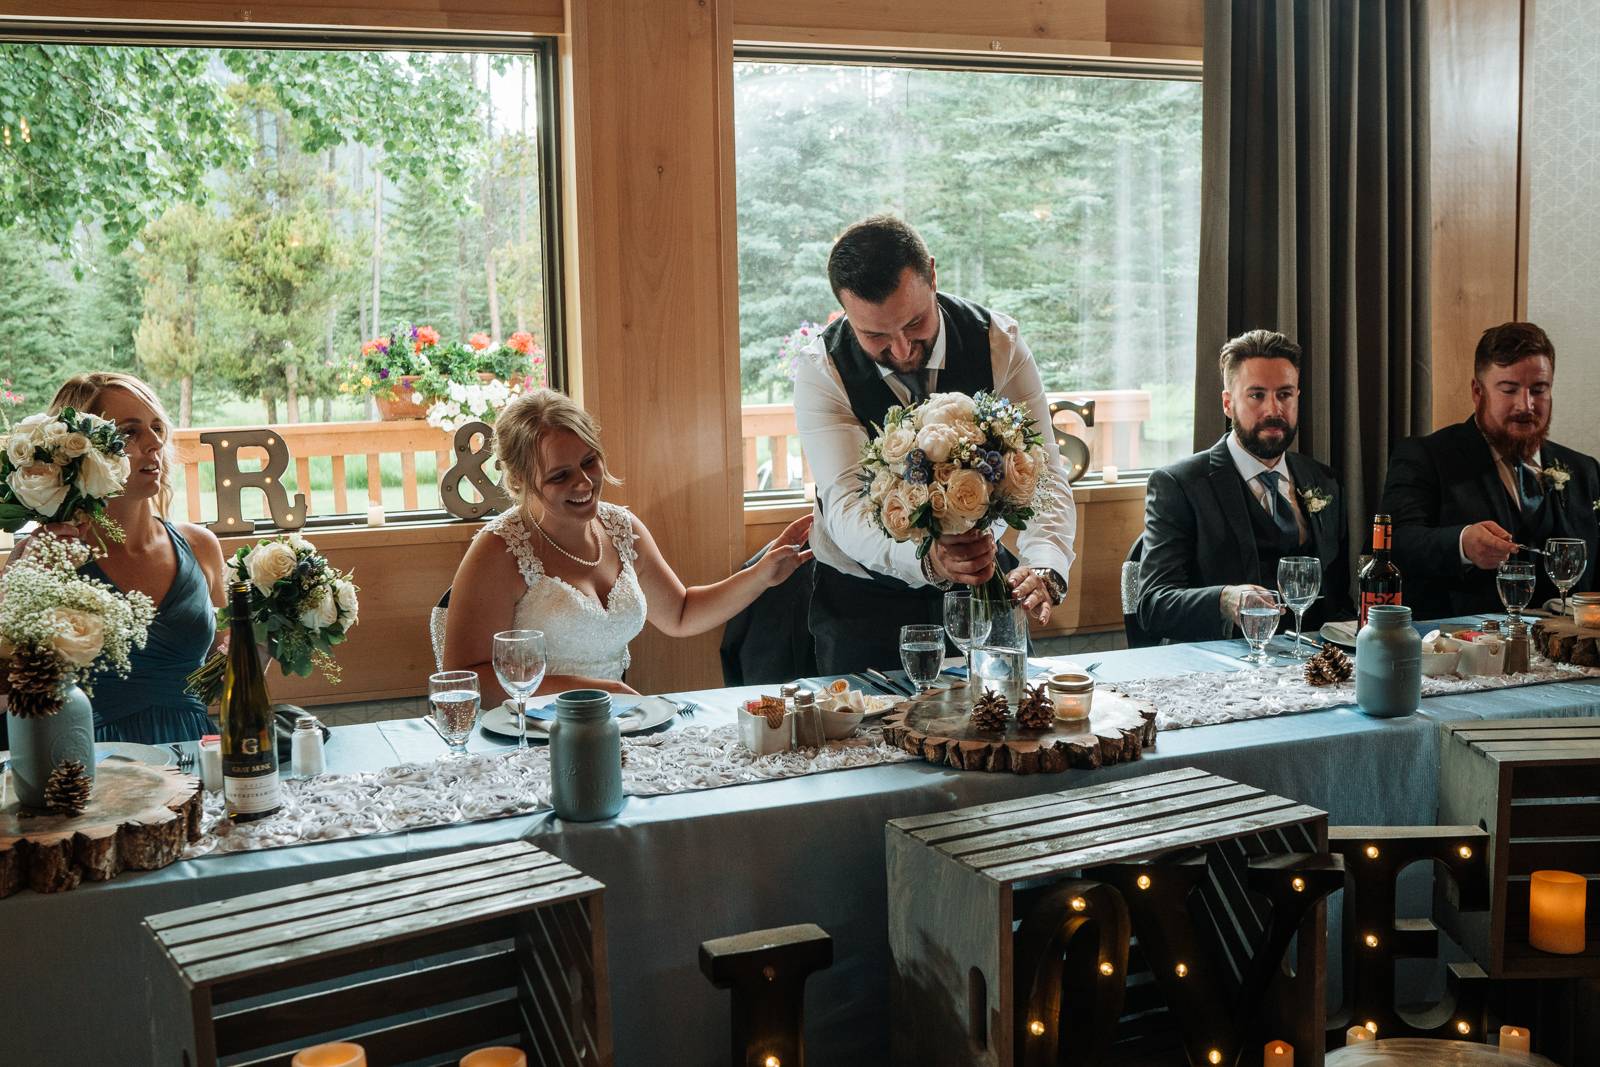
point(549, 540)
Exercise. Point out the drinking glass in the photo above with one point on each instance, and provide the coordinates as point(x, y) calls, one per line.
point(453, 698)
point(922, 653)
point(1564, 560)
point(519, 663)
point(966, 620)
point(1515, 583)
point(1259, 613)
point(1299, 582)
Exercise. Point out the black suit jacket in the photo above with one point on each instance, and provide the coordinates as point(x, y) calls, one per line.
point(1448, 480)
point(1198, 538)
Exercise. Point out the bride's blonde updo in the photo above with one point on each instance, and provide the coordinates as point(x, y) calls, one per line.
point(525, 422)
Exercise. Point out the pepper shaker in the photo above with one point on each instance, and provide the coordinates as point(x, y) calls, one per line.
point(306, 758)
point(1519, 649)
point(807, 720)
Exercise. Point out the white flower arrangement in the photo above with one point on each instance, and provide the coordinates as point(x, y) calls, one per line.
point(471, 402)
point(299, 606)
point(61, 468)
point(1314, 499)
point(57, 625)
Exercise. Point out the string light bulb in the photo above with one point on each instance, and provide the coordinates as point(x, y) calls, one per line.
point(1372, 1026)
point(1372, 852)
point(771, 1061)
point(1214, 1056)
point(1465, 852)
point(1077, 904)
point(1036, 1028)
point(1298, 885)
point(1371, 940)
point(1181, 970)
point(1143, 881)
point(5, 134)
point(1106, 968)
point(1463, 1027)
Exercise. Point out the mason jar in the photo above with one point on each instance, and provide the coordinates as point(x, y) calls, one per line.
point(1388, 663)
point(585, 757)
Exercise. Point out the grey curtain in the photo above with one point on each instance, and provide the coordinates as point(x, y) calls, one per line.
point(1315, 220)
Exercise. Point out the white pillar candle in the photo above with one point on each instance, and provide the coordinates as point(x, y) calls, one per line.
point(374, 514)
point(1515, 1039)
point(1278, 1054)
point(1358, 1033)
point(1108, 474)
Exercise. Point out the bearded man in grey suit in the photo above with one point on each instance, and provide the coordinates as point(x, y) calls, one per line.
point(1217, 523)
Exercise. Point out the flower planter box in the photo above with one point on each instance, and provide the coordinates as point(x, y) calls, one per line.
point(402, 402)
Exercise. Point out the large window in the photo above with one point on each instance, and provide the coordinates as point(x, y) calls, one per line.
point(237, 225)
point(1070, 202)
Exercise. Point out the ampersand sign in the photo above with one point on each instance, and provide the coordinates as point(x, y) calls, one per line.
point(231, 481)
point(469, 463)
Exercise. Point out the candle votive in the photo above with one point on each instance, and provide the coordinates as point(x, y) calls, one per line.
point(1358, 1033)
point(333, 1054)
point(498, 1056)
point(1278, 1054)
point(375, 515)
point(1556, 901)
point(1515, 1039)
point(1071, 694)
point(1108, 474)
point(1586, 610)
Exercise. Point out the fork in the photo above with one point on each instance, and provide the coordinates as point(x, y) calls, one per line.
point(686, 708)
point(185, 757)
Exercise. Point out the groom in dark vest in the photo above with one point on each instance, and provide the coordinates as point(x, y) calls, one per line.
point(899, 341)
point(1464, 498)
point(1218, 522)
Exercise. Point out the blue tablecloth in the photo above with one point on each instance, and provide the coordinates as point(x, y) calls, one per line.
point(684, 868)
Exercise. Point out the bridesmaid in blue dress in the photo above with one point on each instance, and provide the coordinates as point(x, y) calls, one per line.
point(177, 565)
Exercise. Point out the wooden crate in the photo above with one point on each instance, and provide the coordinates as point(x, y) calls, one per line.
point(418, 962)
point(1534, 784)
point(960, 881)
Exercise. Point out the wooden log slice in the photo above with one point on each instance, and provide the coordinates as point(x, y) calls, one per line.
point(938, 727)
point(1564, 641)
point(139, 818)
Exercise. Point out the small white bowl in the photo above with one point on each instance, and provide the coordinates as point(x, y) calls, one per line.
point(1438, 664)
point(840, 723)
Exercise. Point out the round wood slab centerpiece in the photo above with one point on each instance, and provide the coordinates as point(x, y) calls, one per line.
point(139, 818)
point(1565, 641)
point(937, 726)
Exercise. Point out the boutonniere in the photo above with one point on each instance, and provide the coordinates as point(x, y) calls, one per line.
point(1556, 476)
point(1315, 499)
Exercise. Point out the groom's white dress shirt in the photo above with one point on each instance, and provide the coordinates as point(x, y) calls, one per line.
point(845, 536)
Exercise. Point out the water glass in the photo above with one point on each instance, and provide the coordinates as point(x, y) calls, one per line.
point(519, 664)
point(453, 699)
point(1565, 559)
point(922, 653)
point(1515, 582)
point(1299, 582)
point(1259, 613)
point(966, 621)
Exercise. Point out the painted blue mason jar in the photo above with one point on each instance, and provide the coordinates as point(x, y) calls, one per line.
point(39, 745)
point(585, 757)
point(1388, 663)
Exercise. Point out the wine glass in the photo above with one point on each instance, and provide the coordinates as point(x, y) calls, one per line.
point(1299, 581)
point(922, 653)
point(1564, 560)
point(1259, 612)
point(1515, 583)
point(519, 663)
point(453, 698)
point(967, 621)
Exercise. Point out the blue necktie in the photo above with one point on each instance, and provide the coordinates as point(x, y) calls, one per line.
point(1530, 493)
point(916, 383)
point(1279, 508)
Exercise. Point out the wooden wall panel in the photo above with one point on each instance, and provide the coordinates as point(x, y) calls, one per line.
point(1475, 84)
point(484, 16)
point(656, 341)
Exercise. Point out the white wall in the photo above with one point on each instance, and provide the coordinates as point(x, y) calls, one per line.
point(1562, 142)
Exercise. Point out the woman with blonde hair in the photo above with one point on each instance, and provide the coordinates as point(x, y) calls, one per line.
point(178, 565)
point(586, 573)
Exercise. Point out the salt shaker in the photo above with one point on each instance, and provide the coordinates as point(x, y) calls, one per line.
point(305, 748)
point(807, 720)
point(1519, 649)
point(211, 762)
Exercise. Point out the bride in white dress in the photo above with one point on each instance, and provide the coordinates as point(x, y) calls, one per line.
point(585, 572)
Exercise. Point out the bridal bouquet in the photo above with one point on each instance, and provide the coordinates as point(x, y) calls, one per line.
point(57, 624)
point(300, 607)
point(951, 464)
point(61, 468)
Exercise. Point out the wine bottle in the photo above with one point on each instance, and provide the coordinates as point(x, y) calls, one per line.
point(1380, 578)
point(249, 735)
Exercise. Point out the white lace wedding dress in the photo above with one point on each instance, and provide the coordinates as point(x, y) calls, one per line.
point(581, 637)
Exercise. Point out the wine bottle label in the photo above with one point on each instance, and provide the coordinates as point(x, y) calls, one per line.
point(1368, 599)
point(253, 794)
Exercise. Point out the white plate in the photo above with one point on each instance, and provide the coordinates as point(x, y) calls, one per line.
point(160, 755)
point(1342, 634)
point(643, 713)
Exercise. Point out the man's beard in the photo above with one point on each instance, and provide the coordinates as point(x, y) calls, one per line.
point(1254, 444)
point(886, 359)
point(1523, 445)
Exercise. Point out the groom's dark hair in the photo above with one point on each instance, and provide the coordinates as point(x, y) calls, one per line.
point(869, 258)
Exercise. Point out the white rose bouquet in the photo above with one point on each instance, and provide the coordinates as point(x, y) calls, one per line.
point(951, 464)
point(300, 607)
point(61, 468)
point(57, 625)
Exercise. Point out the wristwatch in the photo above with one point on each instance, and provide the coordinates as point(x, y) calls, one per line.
point(1054, 584)
point(941, 584)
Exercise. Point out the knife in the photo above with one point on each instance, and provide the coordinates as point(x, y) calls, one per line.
point(888, 683)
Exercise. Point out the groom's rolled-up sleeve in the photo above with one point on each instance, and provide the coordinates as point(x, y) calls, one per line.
point(1047, 542)
point(831, 438)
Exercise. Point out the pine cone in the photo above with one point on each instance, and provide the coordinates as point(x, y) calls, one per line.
point(991, 711)
point(1038, 712)
point(35, 678)
point(67, 790)
point(1328, 667)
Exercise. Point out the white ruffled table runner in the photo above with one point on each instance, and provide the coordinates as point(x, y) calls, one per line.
point(1207, 699)
point(491, 785)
